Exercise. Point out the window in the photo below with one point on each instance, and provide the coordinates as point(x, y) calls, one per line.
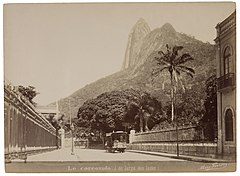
point(227, 56)
point(229, 125)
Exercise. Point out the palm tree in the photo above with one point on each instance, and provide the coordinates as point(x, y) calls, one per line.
point(174, 63)
point(139, 103)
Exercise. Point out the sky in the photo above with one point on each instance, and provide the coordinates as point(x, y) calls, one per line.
point(60, 48)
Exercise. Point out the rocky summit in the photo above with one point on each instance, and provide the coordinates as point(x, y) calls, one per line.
point(143, 44)
point(135, 40)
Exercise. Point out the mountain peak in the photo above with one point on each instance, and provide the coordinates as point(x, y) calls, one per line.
point(141, 20)
point(141, 23)
point(135, 39)
point(168, 27)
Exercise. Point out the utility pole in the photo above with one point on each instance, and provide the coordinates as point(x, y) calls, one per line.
point(57, 114)
point(71, 125)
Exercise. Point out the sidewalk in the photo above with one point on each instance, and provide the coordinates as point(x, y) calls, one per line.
point(184, 157)
point(60, 155)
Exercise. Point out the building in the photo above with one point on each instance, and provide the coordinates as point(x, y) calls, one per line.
point(226, 83)
point(45, 111)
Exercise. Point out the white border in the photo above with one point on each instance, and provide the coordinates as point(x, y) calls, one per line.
point(77, 1)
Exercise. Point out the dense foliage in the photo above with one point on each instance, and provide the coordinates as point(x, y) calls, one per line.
point(189, 108)
point(196, 106)
point(209, 120)
point(57, 122)
point(112, 110)
point(29, 92)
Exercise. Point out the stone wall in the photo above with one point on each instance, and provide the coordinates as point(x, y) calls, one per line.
point(190, 133)
point(192, 149)
point(190, 139)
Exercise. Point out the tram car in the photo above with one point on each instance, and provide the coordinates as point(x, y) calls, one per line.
point(116, 141)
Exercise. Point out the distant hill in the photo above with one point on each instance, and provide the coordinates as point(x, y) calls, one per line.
point(138, 63)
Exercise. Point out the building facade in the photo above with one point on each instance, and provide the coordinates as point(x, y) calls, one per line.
point(226, 83)
point(45, 111)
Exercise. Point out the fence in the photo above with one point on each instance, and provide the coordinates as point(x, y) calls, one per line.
point(25, 131)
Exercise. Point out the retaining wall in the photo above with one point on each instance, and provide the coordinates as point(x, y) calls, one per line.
point(190, 139)
point(193, 149)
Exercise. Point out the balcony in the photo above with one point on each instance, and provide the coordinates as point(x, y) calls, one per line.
point(226, 81)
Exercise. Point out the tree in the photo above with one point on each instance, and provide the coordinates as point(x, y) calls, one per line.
point(189, 106)
point(57, 123)
point(28, 92)
point(209, 120)
point(174, 64)
point(110, 110)
point(146, 111)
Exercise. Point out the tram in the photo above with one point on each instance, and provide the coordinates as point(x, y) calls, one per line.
point(116, 141)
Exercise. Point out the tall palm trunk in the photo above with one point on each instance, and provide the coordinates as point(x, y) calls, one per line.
point(141, 119)
point(146, 117)
point(172, 97)
point(176, 121)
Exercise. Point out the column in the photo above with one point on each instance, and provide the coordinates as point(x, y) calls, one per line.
point(219, 123)
point(62, 133)
point(131, 136)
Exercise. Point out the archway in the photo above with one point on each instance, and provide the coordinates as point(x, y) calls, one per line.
point(228, 125)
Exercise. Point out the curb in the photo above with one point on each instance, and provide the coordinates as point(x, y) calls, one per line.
point(184, 157)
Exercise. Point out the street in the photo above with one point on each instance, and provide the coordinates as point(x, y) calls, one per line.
point(93, 160)
point(94, 155)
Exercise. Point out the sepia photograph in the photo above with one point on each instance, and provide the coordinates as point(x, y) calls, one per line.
point(119, 87)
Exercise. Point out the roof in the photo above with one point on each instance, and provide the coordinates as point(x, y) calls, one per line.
point(227, 25)
point(226, 20)
point(116, 132)
point(47, 109)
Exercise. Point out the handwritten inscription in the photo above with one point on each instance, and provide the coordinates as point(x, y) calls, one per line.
point(208, 167)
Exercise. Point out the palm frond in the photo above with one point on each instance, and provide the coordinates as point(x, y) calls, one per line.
point(177, 71)
point(155, 74)
point(165, 81)
point(175, 90)
point(183, 87)
point(176, 49)
point(163, 85)
point(186, 72)
point(161, 53)
point(182, 59)
point(168, 48)
point(175, 76)
point(164, 68)
point(186, 68)
point(157, 71)
point(178, 79)
point(181, 83)
point(162, 60)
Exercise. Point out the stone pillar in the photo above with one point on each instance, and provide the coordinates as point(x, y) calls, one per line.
point(131, 136)
point(62, 133)
point(220, 126)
